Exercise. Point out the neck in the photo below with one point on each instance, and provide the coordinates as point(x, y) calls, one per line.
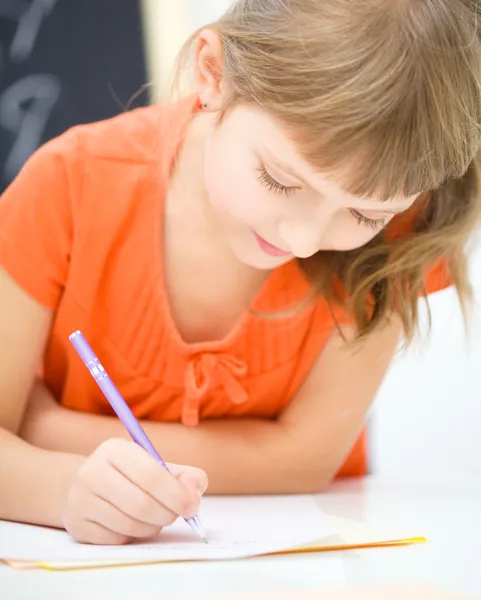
point(187, 183)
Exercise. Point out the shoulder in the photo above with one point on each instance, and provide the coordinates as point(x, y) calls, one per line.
point(139, 135)
point(60, 171)
point(132, 136)
point(104, 160)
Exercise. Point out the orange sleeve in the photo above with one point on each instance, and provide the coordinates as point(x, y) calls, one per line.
point(438, 278)
point(435, 278)
point(36, 222)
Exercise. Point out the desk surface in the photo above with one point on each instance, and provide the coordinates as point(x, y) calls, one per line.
point(449, 515)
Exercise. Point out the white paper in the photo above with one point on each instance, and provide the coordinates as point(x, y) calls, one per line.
point(236, 527)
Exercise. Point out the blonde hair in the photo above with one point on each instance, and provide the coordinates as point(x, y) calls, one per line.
point(386, 95)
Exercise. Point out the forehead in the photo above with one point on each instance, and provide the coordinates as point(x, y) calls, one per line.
point(255, 123)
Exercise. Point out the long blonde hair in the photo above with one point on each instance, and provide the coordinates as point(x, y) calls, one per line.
point(387, 95)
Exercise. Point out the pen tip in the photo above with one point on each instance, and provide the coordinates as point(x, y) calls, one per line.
point(200, 530)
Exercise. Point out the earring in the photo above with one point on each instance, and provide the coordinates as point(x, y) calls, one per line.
point(204, 105)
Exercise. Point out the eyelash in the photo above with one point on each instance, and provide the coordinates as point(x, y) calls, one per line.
point(371, 223)
point(274, 186)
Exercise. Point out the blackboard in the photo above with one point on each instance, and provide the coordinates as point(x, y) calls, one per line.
point(62, 63)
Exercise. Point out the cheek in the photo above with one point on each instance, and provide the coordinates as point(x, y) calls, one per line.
point(232, 185)
point(347, 234)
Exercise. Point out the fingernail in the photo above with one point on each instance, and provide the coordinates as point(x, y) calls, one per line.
point(192, 510)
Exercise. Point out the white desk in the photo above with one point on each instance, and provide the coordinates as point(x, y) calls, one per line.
point(450, 516)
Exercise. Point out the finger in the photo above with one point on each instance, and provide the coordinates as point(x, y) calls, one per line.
point(116, 489)
point(94, 533)
point(193, 478)
point(147, 474)
point(109, 516)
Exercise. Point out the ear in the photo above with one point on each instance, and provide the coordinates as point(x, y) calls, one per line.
point(209, 68)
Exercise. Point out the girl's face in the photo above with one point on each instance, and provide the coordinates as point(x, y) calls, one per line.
point(271, 205)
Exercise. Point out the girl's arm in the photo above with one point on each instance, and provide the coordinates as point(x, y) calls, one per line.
point(116, 495)
point(299, 452)
point(33, 482)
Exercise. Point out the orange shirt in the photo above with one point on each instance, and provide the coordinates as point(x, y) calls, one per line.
point(81, 232)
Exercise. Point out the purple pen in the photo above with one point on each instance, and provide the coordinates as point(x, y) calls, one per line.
point(121, 409)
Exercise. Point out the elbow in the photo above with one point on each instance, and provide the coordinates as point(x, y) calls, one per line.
point(314, 487)
point(306, 478)
point(312, 484)
point(300, 468)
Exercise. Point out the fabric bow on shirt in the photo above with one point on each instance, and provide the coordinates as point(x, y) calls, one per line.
point(207, 371)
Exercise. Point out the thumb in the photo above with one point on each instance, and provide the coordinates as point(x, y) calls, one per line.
point(194, 479)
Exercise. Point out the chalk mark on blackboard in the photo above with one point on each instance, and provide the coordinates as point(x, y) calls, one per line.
point(29, 17)
point(25, 108)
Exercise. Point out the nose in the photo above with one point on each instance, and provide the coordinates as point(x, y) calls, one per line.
point(303, 239)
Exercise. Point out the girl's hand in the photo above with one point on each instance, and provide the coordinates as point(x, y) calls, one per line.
point(121, 494)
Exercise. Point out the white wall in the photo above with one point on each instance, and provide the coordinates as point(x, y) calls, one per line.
point(427, 417)
point(168, 23)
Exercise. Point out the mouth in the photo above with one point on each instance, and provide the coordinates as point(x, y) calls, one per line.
point(269, 248)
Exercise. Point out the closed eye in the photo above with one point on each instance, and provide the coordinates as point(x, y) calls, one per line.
point(274, 186)
point(372, 223)
point(271, 184)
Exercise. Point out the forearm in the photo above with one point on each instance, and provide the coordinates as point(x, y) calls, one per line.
point(33, 482)
point(240, 456)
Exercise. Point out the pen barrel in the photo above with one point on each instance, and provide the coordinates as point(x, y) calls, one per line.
point(126, 416)
point(113, 395)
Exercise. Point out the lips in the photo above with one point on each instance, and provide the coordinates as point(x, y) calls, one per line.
point(269, 248)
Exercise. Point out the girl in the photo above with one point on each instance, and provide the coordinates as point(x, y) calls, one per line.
point(243, 261)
